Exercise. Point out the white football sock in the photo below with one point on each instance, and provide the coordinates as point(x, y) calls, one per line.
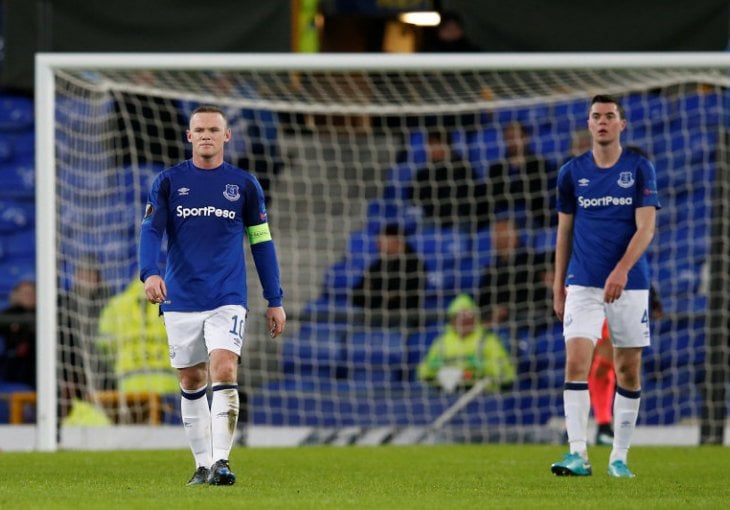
point(195, 415)
point(224, 418)
point(577, 405)
point(625, 414)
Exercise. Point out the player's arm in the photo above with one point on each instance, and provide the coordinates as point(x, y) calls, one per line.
point(150, 241)
point(645, 226)
point(563, 248)
point(267, 267)
point(264, 255)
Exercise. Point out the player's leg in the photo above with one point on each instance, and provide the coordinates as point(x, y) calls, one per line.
point(224, 337)
point(628, 318)
point(225, 401)
point(576, 398)
point(602, 386)
point(195, 414)
point(189, 355)
point(581, 328)
point(626, 406)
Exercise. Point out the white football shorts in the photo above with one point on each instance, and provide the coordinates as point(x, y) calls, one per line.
point(628, 316)
point(191, 336)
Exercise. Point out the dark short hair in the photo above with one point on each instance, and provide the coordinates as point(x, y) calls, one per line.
point(393, 229)
point(454, 16)
point(209, 108)
point(440, 135)
point(606, 99)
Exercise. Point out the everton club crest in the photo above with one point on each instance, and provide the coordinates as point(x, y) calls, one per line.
point(231, 193)
point(625, 179)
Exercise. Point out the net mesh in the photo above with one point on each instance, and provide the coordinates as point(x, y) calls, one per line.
point(338, 153)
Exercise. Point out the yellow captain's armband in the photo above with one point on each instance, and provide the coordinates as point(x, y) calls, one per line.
point(258, 233)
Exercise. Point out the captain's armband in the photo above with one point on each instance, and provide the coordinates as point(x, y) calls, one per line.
point(258, 233)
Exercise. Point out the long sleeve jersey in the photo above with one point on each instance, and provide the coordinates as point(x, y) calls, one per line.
point(205, 214)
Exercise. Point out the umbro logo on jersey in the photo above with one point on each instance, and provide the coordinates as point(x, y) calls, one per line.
point(583, 182)
point(183, 192)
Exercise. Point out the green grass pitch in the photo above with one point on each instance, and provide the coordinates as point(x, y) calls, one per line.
point(385, 477)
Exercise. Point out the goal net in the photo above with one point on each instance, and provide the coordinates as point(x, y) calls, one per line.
point(338, 142)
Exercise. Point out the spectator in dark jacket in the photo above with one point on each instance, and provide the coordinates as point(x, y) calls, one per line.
point(18, 335)
point(447, 188)
point(522, 182)
point(392, 288)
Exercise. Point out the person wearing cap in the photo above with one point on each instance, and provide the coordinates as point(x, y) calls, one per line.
point(468, 345)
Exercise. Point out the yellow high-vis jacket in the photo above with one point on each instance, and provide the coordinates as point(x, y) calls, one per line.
point(132, 330)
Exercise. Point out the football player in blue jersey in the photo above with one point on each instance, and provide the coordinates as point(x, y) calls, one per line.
point(205, 206)
point(607, 203)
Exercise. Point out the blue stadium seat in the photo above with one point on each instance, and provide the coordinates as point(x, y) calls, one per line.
point(417, 345)
point(16, 214)
point(77, 112)
point(439, 247)
point(317, 349)
point(416, 147)
point(468, 274)
point(17, 179)
point(679, 278)
point(543, 353)
point(398, 181)
point(18, 245)
point(700, 110)
point(527, 115)
point(482, 246)
point(16, 113)
point(672, 395)
point(484, 147)
point(550, 142)
point(382, 211)
point(137, 182)
point(543, 240)
point(23, 143)
point(648, 106)
point(577, 109)
point(7, 151)
point(339, 278)
point(375, 355)
point(442, 250)
point(302, 403)
point(362, 248)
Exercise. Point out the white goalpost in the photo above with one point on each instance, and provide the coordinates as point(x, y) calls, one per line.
point(336, 141)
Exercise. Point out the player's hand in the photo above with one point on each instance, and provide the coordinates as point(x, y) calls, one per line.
point(155, 289)
point(615, 285)
point(276, 317)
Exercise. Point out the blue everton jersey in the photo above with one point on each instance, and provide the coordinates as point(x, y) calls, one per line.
point(205, 214)
point(603, 202)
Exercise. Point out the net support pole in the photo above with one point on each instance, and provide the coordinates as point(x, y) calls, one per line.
point(714, 407)
point(457, 406)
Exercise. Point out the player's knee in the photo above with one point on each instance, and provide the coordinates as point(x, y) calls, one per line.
point(224, 372)
point(628, 377)
point(192, 378)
